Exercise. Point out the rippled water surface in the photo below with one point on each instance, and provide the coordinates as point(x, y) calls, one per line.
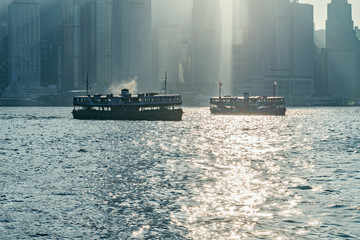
point(207, 177)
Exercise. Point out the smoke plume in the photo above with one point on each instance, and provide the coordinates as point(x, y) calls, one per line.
point(132, 85)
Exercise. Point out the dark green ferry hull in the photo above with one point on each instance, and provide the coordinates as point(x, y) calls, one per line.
point(149, 115)
point(261, 112)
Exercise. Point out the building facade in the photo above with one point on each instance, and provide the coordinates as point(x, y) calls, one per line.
point(302, 50)
point(341, 56)
point(102, 42)
point(24, 43)
point(273, 41)
point(239, 65)
point(132, 43)
point(4, 9)
point(166, 55)
point(206, 46)
point(70, 45)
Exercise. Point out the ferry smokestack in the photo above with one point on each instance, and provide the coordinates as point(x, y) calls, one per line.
point(246, 97)
point(125, 92)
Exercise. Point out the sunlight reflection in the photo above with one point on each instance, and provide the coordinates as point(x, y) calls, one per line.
point(244, 181)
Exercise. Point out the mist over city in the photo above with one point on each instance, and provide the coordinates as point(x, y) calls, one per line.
point(179, 119)
point(50, 48)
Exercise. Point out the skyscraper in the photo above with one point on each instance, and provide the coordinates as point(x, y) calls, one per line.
point(239, 65)
point(70, 45)
point(24, 42)
point(4, 9)
point(267, 46)
point(166, 54)
point(76, 41)
point(132, 42)
point(302, 50)
point(276, 38)
point(3, 36)
point(342, 51)
point(50, 22)
point(206, 46)
point(102, 23)
point(273, 40)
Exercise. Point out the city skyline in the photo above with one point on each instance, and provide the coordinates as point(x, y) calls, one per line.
point(320, 11)
point(245, 44)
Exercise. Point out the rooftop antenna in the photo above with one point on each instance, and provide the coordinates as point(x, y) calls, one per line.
point(220, 85)
point(87, 84)
point(274, 88)
point(166, 78)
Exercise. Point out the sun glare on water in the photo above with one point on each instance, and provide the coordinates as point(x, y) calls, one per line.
point(241, 188)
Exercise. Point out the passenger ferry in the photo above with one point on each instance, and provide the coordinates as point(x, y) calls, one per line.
point(144, 106)
point(149, 106)
point(247, 105)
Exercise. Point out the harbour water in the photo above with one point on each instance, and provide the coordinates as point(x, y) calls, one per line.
point(207, 177)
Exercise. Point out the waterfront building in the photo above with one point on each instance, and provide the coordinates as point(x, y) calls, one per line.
point(341, 66)
point(4, 4)
point(102, 24)
point(302, 50)
point(3, 39)
point(77, 39)
point(239, 65)
point(206, 46)
point(132, 42)
point(273, 41)
point(24, 43)
point(261, 46)
point(166, 55)
point(4, 72)
point(70, 45)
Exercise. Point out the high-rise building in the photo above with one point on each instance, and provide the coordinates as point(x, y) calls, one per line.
point(273, 41)
point(76, 43)
point(166, 55)
point(3, 36)
point(132, 42)
point(4, 72)
point(4, 9)
point(171, 21)
point(276, 38)
point(264, 55)
point(302, 49)
point(70, 42)
point(50, 24)
point(102, 42)
point(206, 46)
point(24, 42)
point(239, 65)
point(341, 73)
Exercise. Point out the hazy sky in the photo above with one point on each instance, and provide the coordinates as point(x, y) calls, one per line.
point(320, 11)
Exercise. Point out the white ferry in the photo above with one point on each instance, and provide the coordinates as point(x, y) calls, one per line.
point(247, 105)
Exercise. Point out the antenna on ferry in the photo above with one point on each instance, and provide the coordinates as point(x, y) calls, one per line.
point(220, 85)
point(274, 88)
point(166, 82)
point(87, 84)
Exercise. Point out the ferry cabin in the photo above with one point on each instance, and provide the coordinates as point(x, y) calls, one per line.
point(246, 102)
point(126, 102)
